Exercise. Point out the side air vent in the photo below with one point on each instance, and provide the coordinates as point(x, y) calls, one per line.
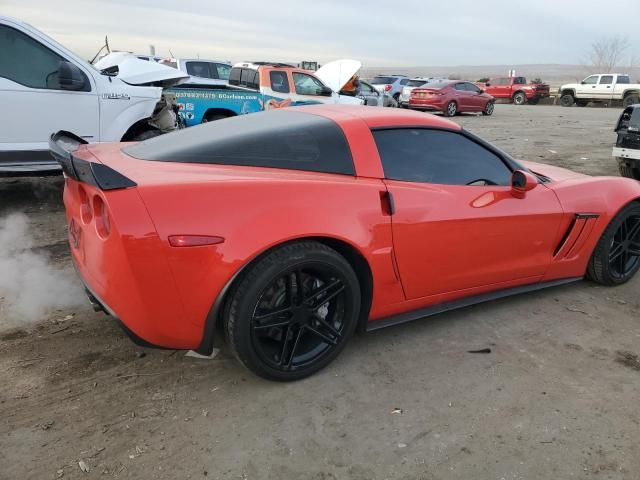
point(575, 236)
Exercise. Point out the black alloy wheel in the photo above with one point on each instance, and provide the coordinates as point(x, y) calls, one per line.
point(616, 258)
point(293, 312)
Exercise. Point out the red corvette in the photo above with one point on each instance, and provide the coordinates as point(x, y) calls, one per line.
point(451, 97)
point(291, 229)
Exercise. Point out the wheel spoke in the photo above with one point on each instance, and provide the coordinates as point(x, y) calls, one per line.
point(321, 291)
point(634, 251)
point(288, 285)
point(329, 327)
point(294, 348)
point(322, 336)
point(285, 344)
point(633, 231)
point(616, 251)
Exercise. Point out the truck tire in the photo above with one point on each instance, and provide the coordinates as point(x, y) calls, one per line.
point(631, 99)
point(629, 172)
point(567, 100)
point(519, 98)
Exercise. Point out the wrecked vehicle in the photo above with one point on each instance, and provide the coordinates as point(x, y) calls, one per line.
point(627, 149)
point(258, 86)
point(47, 88)
point(516, 89)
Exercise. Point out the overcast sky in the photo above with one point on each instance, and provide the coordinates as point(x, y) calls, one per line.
point(377, 32)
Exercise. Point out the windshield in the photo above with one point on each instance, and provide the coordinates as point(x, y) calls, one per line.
point(383, 80)
point(416, 83)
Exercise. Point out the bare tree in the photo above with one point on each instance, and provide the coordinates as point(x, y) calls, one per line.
point(606, 53)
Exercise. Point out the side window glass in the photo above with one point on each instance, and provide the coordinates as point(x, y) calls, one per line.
point(404, 81)
point(606, 80)
point(26, 61)
point(460, 87)
point(592, 80)
point(439, 157)
point(199, 69)
point(279, 81)
point(306, 84)
point(623, 79)
point(223, 71)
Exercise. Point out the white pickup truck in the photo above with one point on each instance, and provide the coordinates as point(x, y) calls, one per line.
point(605, 87)
point(45, 88)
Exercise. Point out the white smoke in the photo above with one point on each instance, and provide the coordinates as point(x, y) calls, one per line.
point(30, 286)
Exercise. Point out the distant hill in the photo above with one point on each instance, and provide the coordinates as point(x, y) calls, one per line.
point(549, 73)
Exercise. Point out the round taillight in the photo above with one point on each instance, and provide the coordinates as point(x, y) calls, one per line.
point(85, 206)
point(101, 213)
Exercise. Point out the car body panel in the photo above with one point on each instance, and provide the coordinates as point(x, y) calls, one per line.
point(432, 98)
point(479, 239)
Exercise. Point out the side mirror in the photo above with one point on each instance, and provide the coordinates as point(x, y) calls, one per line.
point(325, 91)
point(522, 182)
point(71, 77)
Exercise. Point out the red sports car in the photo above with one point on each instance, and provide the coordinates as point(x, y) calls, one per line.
point(291, 229)
point(451, 97)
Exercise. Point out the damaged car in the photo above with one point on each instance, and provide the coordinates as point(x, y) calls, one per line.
point(48, 88)
point(627, 149)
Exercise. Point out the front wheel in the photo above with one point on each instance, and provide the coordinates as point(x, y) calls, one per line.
point(629, 172)
point(567, 100)
point(451, 110)
point(293, 311)
point(519, 98)
point(488, 109)
point(616, 258)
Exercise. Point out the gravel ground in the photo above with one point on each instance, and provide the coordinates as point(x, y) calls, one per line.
point(557, 397)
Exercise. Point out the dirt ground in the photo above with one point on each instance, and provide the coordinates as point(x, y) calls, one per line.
point(557, 397)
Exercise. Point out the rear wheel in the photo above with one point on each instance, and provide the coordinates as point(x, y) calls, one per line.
point(488, 109)
point(630, 100)
point(629, 172)
point(567, 100)
point(293, 311)
point(451, 110)
point(519, 98)
point(616, 258)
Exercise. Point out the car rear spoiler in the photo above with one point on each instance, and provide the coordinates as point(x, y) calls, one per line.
point(62, 145)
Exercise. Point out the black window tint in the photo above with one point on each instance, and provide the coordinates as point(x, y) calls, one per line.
point(438, 156)
point(606, 80)
point(25, 61)
point(519, 81)
point(623, 79)
point(275, 139)
point(279, 81)
point(234, 76)
point(199, 69)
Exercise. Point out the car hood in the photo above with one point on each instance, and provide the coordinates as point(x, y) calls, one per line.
point(337, 73)
point(132, 70)
point(556, 174)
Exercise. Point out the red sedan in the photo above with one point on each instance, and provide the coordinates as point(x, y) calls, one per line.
point(451, 97)
point(290, 229)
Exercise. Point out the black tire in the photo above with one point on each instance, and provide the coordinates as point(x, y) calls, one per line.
point(519, 98)
point(533, 101)
point(146, 135)
point(567, 100)
point(629, 172)
point(214, 117)
point(451, 110)
point(488, 109)
point(396, 97)
point(630, 100)
point(279, 331)
point(616, 258)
